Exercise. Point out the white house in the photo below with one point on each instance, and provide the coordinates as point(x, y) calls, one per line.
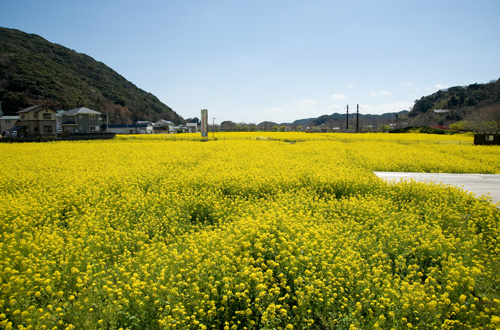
point(168, 126)
point(192, 127)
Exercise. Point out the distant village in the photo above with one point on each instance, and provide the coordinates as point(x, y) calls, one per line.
point(42, 122)
point(39, 120)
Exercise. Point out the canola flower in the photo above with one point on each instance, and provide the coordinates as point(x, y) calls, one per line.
point(407, 138)
point(140, 233)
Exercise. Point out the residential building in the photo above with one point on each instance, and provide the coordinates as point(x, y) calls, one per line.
point(59, 114)
point(192, 127)
point(37, 120)
point(81, 121)
point(8, 122)
point(168, 126)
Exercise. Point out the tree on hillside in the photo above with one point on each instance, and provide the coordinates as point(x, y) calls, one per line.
point(117, 113)
point(228, 126)
point(193, 120)
point(490, 117)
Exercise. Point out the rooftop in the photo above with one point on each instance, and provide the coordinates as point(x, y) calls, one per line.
point(34, 107)
point(81, 111)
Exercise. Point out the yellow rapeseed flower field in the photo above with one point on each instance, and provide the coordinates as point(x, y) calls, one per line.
point(251, 231)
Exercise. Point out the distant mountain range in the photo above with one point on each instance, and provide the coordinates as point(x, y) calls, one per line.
point(340, 118)
point(35, 71)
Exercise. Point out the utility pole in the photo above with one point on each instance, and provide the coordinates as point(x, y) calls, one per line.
point(213, 128)
point(357, 118)
point(347, 119)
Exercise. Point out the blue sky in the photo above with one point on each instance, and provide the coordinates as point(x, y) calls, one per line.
point(250, 61)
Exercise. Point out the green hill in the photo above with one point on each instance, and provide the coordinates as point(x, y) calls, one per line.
point(35, 71)
point(339, 119)
point(476, 106)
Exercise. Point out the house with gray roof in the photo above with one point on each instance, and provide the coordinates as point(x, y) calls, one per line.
point(80, 121)
point(164, 126)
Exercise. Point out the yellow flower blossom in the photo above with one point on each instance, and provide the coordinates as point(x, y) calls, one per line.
point(249, 231)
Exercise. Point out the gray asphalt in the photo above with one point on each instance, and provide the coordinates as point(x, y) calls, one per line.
point(478, 184)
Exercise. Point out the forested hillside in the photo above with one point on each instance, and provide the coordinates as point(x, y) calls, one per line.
point(35, 71)
point(476, 106)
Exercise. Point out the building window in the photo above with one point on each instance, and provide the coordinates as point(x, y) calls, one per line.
point(7, 122)
point(35, 115)
point(36, 129)
point(91, 116)
point(47, 129)
point(92, 128)
point(47, 116)
point(22, 116)
point(80, 116)
point(489, 137)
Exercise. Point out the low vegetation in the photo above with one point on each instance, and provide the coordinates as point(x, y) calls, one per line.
point(246, 232)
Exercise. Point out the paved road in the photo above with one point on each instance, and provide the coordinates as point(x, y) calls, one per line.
point(478, 184)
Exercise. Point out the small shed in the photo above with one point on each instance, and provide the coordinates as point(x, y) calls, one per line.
point(8, 122)
point(130, 129)
point(488, 138)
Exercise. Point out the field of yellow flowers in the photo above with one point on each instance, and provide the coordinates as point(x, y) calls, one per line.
point(248, 232)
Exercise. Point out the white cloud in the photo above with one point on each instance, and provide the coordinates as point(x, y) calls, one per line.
point(304, 108)
point(305, 103)
point(275, 110)
point(441, 86)
point(336, 108)
point(384, 108)
point(350, 86)
point(339, 96)
point(295, 110)
point(382, 93)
